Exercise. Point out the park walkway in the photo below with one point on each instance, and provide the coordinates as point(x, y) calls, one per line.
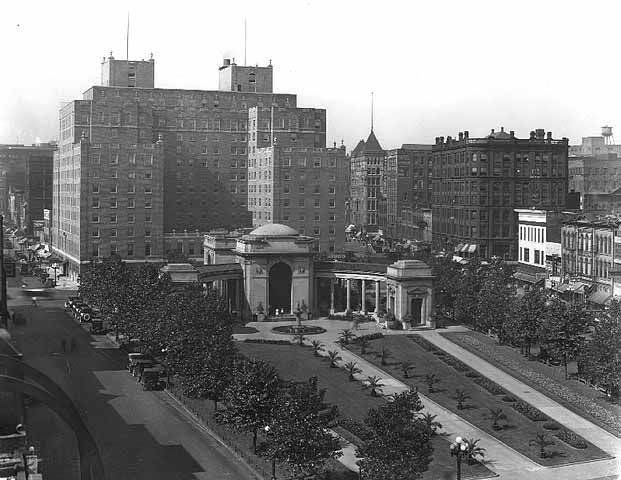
point(506, 462)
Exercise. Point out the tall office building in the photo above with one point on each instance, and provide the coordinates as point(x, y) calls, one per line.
point(136, 161)
point(368, 161)
point(26, 182)
point(479, 182)
point(293, 178)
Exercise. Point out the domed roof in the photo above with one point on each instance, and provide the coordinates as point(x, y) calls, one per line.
point(274, 230)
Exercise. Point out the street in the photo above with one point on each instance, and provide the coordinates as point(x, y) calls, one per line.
point(140, 434)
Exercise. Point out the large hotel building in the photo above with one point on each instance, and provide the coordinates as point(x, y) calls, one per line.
point(479, 182)
point(136, 163)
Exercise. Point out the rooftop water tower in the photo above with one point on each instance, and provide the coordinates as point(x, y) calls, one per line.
point(609, 139)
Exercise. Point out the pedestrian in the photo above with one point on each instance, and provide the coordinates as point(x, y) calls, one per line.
point(34, 302)
point(73, 344)
point(63, 345)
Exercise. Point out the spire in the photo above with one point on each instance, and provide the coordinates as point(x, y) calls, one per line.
point(371, 111)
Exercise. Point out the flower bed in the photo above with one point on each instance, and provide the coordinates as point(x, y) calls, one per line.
point(368, 336)
point(267, 340)
point(551, 426)
point(423, 342)
point(509, 398)
point(456, 364)
point(604, 414)
point(491, 387)
point(358, 429)
point(571, 438)
point(529, 411)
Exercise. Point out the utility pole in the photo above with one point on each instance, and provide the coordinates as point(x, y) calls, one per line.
point(4, 317)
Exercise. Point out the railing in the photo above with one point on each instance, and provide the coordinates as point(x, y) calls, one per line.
point(352, 266)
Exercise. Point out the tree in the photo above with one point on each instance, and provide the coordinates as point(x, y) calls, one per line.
point(431, 379)
point(446, 284)
point(474, 450)
point(333, 356)
point(495, 300)
point(524, 327)
point(352, 369)
point(542, 442)
point(400, 447)
point(298, 430)
point(461, 397)
point(467, 292)
point(251, 397)
point(317, 347)
point(364, 344)
point(430, 422)
point(406, 368)
point(563, 329)
point(497, 414)
point(600, 361)
point(384, 355)
point(375, 384)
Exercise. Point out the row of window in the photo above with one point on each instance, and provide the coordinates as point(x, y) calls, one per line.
point(532, 234)
point(96, 250)
point(131, 188)
point(287, 202)
point(148, 174)
point(96, 218)
point(113, 203)
point(538, 256)
point(113, 233)
point(302, 189)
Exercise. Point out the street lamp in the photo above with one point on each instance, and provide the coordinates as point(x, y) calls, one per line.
point(268, 433)
point(460, 449)
point(55, 268)
point(116, 323)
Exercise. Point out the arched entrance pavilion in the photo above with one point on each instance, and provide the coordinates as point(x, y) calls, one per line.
point(280, 288)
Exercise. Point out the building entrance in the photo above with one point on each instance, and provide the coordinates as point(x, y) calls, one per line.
point(280, 288)
point(415, 309)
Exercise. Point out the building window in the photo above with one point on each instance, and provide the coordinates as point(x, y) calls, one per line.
point(317, 163)
point(526, 255)
point(113, 203)
point(147, 233)
point(332, 190)
point(147, 249)
point(147, 204)
point(331, 230)
point(114, 174)
point(113, 233)
point(113, 219)
point(113, 249)
point(332, 203)
point(95, 188)
point(130, 249)
point(317, 203)
point(147, 218)
point(131, 188)
point(131, 218)
point(95, 233)
point(131, 203)
point(95, 203)
point(95, 219)
point(95, 250)
point(148, 175)
point(113, 188)
point(131, 232)
point(316, 231)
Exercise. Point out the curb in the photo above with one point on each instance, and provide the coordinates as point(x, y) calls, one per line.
point(198, 423)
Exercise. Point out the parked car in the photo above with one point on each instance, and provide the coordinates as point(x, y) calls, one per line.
point(77, 309)
point(69, 301)
point(151, 378)
point(87, 314)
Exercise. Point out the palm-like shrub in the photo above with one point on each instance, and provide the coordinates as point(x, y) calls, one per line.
point(375, 384)
point(474, 450)
point(461, 396)
point(496, 415)
point(430, 422)
point(542, 442)
point(317, 347)
point(352, 369)
point(346, 336)
point(431, 379)
point(333, 356)
point(406, 368)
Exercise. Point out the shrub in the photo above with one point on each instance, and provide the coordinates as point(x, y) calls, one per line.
point(551, 426)
point(394, 325)
point(368, 337)
point(423, 342)
point(456, 364)
point(491, 387)
point(360, 430)
point(571, 438)
point(509, 398)
point(529, 411)
point(472, 374)
point(267, 340)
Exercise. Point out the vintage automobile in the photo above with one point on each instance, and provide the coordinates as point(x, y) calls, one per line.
point(132, 358)
point(151, 378)
point(140, 367)
point(69, 301)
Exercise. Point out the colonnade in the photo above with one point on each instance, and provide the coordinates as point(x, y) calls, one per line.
point(363, 294)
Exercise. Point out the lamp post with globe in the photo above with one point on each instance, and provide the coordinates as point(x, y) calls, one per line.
point(268, 433)
point(460, 450)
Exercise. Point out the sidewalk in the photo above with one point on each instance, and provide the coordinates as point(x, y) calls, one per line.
point(508, 463)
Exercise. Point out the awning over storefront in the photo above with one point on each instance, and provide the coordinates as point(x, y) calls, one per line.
point(472, 248)
point(601, 298)
point(562, 287)
point(464, 249)
point(350, 228)
point(459, 247)
point(526, 277)
point(579, 287)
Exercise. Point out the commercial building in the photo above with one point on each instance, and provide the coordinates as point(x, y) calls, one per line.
point(596, 178)
point(479, 182)
point(136, 161)
point(293, 179)
point(596, 145)
point(367, 164)
point(26, 182)
point(590, 258)
point(407, 186)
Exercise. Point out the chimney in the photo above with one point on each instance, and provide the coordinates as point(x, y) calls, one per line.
point(461, 136)
point(492, 132)
point(540, 133)
point(549, 135)
point(441, 139)
point(512, 134)
point(466, 134)
point(502, 129)
point(449, 139)
point(532, 135)
point(227, 62)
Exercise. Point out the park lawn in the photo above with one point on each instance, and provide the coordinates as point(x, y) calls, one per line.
point(517, 431)
point(298, 363)
point(549, 380)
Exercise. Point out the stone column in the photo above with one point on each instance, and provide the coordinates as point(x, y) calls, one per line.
point(331, 296)
point(377, 297)
point(363, 291)
point(348, 295)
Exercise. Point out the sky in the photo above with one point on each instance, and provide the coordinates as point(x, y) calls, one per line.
point(436, 68)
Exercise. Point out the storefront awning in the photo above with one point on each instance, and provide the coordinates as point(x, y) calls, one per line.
point(526, 277)
point(562, 287)
point(601, 298)
point(579, 287)
point(464, 249)
point(472, 248)
point(459, 247)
